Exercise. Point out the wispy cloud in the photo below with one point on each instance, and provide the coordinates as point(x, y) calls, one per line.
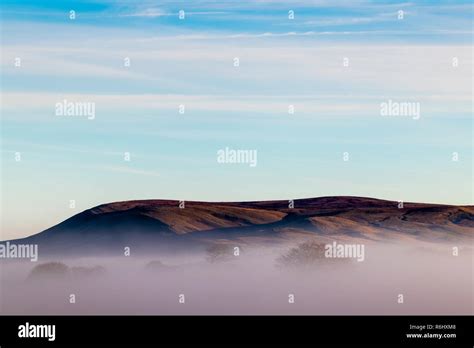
point(206, 68)
point(149, 12)
point(320, 106)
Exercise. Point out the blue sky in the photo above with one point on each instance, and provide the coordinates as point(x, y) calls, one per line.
point(191, 62)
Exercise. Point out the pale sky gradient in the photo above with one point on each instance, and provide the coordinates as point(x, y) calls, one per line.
point(282, 62)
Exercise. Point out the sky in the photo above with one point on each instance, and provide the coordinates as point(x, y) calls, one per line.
point(140, 65)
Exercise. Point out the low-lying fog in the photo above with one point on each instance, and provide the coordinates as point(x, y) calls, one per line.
point(258, 281)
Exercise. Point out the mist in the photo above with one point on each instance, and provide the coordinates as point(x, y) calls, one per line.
point(256, 281)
